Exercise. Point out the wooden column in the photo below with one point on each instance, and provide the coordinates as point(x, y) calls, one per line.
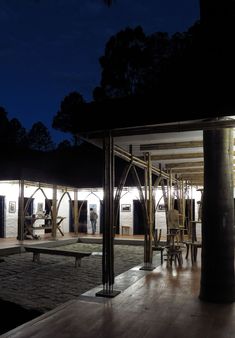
point(217, 273)
point(171, 202)
point(108, 234)
point(54, 212)
point(183, 202)
point(21, 215)
point(148, 252)
point(75, 208)
point(168, 195)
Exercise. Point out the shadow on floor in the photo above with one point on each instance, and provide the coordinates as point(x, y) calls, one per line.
point(13, 315)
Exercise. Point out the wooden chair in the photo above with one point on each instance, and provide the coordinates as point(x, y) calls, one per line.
point(156, 243)
point(192, 244)
point(174, 254)
point(174, 250)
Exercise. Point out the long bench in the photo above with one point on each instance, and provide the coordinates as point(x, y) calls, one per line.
point(36, 250)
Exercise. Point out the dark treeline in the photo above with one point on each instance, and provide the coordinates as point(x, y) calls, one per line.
point(156, 68)
point(12, 133)
point(134, 66)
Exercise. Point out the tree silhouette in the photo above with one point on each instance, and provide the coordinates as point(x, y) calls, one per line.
point(39, 137)
point(4, 126)
point(125, 59)
point(136, 64)
point(71, 108)
point(17, 133)
point(65, 144)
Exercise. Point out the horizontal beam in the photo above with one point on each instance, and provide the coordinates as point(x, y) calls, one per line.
point(214, 123)
point(187, 170)
point(184, 165)
point(171, 145)
point(176, 156)
point(191, 178)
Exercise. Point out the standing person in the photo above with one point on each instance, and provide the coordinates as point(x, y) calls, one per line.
point(93, 219)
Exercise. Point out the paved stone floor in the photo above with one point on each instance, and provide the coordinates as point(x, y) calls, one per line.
point(45, 285)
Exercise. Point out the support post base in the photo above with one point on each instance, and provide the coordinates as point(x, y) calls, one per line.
point(104, 293)
point(148, 267)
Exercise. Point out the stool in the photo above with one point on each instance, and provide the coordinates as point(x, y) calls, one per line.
point(174, 254)
point(192, 247)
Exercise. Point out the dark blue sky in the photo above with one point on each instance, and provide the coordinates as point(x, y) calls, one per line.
point(49, 48)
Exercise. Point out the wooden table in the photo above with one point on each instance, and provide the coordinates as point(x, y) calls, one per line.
point(125, 230)
point(29, 226)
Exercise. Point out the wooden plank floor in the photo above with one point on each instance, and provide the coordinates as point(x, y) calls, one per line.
point(164, 303)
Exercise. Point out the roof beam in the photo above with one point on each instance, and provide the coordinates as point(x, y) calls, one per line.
point(171, 145)
point(122, 153)
point(184, 165)
point(163, 157)
point(187, 170)
point(191, 177)
point(214, 123)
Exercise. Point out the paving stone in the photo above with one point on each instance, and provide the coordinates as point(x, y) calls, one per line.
point(45, 285)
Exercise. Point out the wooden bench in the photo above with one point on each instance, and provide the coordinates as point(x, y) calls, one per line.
point(36, 250)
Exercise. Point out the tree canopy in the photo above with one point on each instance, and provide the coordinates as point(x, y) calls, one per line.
point(71, 109)
point(154, 68)
point(13, 134)
point(123, 65)
point(39, 137)
point(136, 64)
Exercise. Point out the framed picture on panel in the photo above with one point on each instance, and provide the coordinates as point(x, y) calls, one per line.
point(126, 207)
point(12, 207)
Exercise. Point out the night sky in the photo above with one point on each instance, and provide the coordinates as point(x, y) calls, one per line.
point(49, 48)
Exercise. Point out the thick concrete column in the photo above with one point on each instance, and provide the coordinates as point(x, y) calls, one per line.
point(217, 273)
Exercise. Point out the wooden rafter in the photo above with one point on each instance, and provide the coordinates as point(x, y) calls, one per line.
point(165, 128)
point(163, 157)
point(184, 165)
point(187, 170)
point(171, 145)
point(138, 162)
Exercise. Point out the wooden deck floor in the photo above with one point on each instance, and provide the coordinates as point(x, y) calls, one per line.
point(163, 303)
